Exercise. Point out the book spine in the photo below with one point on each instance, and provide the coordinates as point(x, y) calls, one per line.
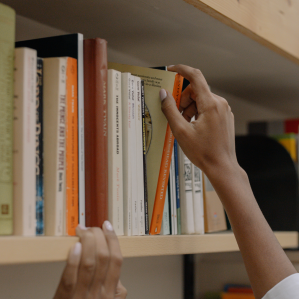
point(165, 165)
point(177, 186)
point(173, 195)
point(198, 208)
point(146, 220)
point(72, 198)
point(187, 218)
point(95, 132)
point(54, 145)
point(126, 126)
point(7, 29)
point(135, 222)
point(165, 227)
point(39, 150)
point(139, 157)
point(24, 142)
point(115, 152)
point(80, 130)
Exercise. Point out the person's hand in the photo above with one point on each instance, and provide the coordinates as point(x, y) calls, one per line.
point(93, 266)
point(209, 141)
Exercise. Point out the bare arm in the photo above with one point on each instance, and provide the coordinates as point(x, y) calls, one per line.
point(209, 142)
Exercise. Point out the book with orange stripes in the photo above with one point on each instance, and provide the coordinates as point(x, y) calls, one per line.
point(157, 215)
point(71, 148)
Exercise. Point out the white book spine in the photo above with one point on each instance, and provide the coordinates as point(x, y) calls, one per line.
point(115, 152)
point(24, 142)
point(81, 153)
point(198, 207)
point(139, 157)
point(135, 222)
point(165, 227)
point(174, 226)
point(185, 173)
point(126, 127)
point(54, 144)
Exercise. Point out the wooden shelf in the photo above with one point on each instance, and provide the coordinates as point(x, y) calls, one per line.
point(17, 250)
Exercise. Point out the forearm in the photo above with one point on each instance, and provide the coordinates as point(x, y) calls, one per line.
point(265, 261)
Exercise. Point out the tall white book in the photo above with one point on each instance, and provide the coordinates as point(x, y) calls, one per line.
point(187, 214)
point(174, 225)
point(24, 142)
point(139, 158)
point(54, 144)
point(133, 150)
point(127, 169)
point(198, 208)
point(115, 152)
point(165, 227)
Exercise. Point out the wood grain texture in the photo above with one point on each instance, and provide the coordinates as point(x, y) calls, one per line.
point(20, 250)
point(274, 24)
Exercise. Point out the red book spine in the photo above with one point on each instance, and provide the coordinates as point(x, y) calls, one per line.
point(95, 130)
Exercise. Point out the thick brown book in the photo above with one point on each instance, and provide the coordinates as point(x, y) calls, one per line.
point(95, 130)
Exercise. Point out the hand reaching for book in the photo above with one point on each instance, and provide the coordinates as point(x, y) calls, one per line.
point(209, 141)
point(93, 266)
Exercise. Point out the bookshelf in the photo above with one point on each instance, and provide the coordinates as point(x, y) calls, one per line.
point(20, 250)
point(245, 59)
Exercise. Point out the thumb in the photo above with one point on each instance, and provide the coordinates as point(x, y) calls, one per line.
point(178, 124)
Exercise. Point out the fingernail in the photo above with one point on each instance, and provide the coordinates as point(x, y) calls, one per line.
point(77, 248)
point(170, 66)
point(82, 227)
point(163, 94)
point(108, 225)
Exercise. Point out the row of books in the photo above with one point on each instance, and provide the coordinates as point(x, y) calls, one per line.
point(91, 144)
point(232, 291)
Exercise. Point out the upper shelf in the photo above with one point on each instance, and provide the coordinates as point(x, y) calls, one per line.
point(155, 32)
point(16, 250)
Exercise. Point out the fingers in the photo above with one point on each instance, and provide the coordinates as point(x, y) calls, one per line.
point(175, 119)
point(115, 262)
point(87, 264)
point(102, 260)
point(68, 279)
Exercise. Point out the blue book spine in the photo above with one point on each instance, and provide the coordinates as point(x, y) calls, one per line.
point(39, 169)
point(177, 186)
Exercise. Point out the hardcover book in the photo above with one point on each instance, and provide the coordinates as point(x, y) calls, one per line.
point(24, 142)
point(96, 131)
point(69, 45)
point(7, 34)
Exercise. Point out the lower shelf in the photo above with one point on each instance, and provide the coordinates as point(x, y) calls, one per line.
point(17, 250)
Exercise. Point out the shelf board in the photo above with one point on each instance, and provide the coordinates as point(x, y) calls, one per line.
point(17, 250)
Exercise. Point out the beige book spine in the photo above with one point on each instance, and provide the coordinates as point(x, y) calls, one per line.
point(24, 142)
point(54, 144)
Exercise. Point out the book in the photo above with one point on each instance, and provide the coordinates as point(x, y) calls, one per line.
point(71, 140)
point(95, 131)
point(39, 149)
point(115, 152)
point(126, 140)
point(68, 45)
point(198, 207)
point(213, 209)
point(146, 220)
point(7, 34)
point(139, 159)
point(24, 142)
point(165, 227)
point(155, 120)
point(186, 196)
point(290, 142)
point(54, 145)
point(133, 151)
point(172, 196)
point(177, 186)
point(165, 163)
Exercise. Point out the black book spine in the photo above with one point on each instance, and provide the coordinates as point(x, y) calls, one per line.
point(39, 151)
point(144, 161)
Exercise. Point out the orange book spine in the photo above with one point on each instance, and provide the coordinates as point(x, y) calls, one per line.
point(157, 215)
point(72, 175)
